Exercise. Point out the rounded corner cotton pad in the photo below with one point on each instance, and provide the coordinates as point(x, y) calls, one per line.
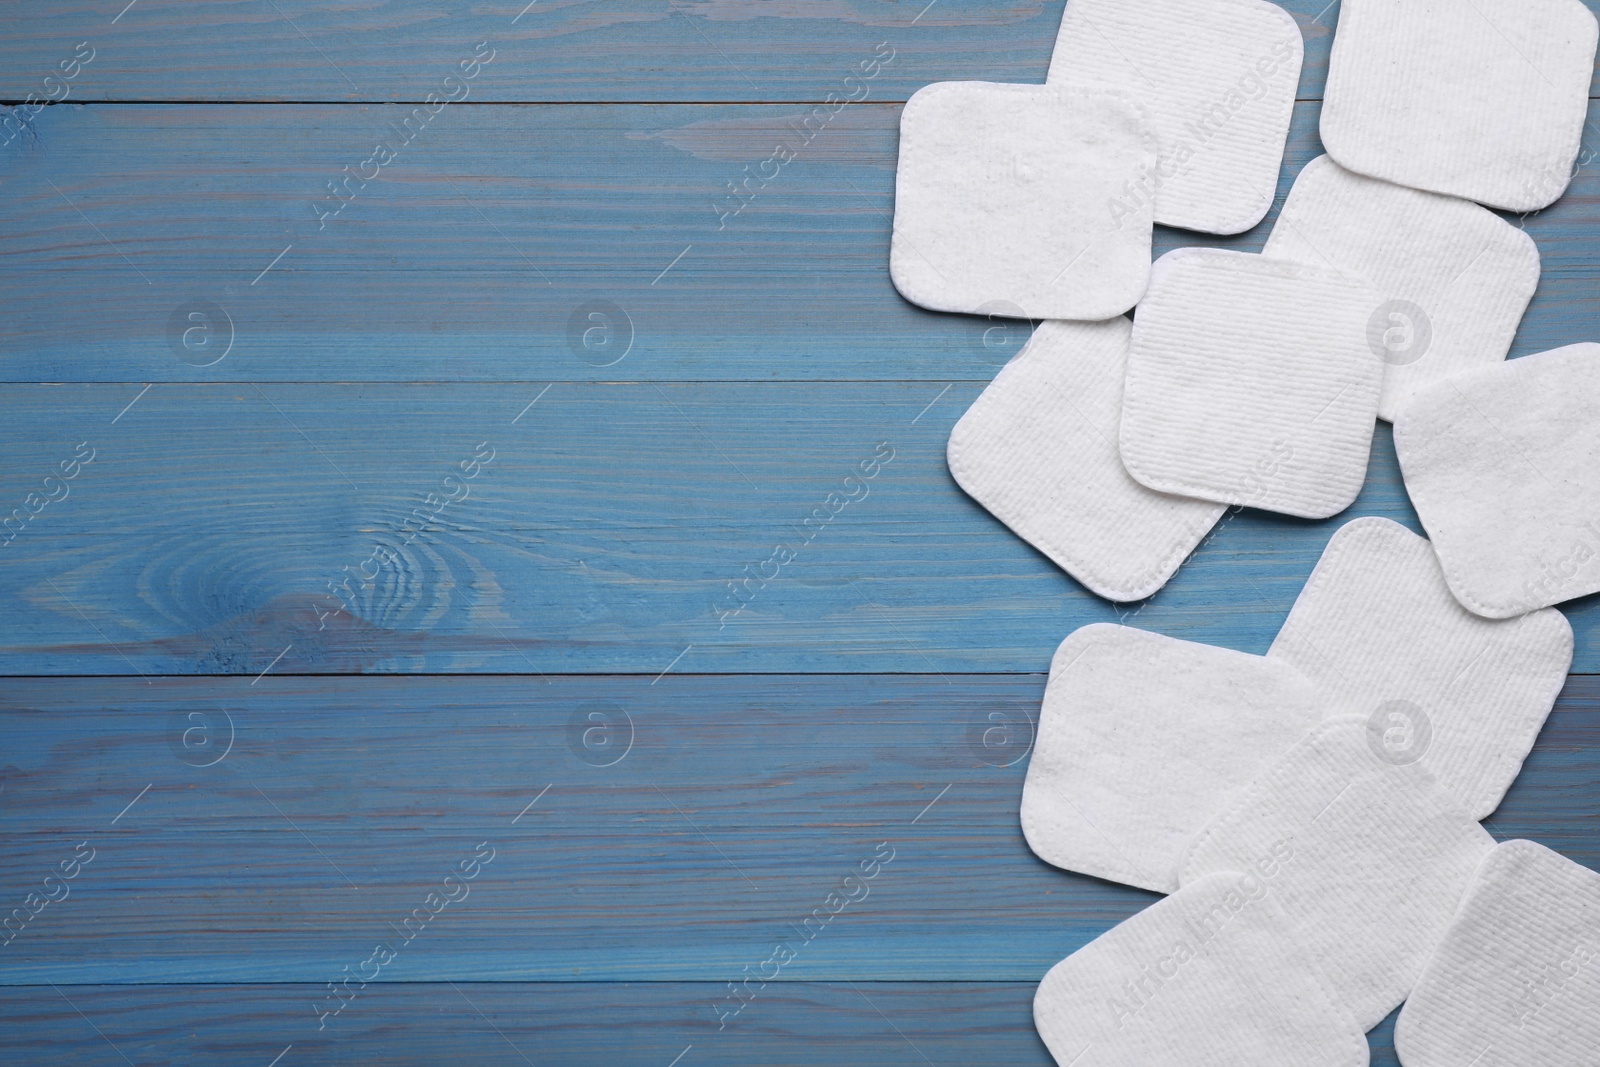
point(1457, 276)
point(1503, 467)
point(1218, 78)
point(1378, 631)
point(1250, 381)
point(1482, 99)
point(1142, 739)
point(1002, 200)
point(1038, 449)
point(1516, 980)
point(1212, 976)
point(1371, 858)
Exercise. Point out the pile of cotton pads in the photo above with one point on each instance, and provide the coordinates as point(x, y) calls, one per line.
point(1312, 813)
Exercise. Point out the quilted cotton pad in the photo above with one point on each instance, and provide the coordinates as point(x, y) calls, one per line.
point(1516, 981)
point(1456, 276)
point(1503, 466)
point(1250, 381)
point(1377, 629)
point(1004, 194)
point(1212, 976)
point(1039, 450)
point(1483, 99)
point(1142, 739)
point(1372, 859)
point(1218, 79)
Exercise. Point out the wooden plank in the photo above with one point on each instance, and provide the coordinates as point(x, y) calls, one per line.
point(741, 803)
point(217, 526)
point(880, 1024)
point(556, 50)
point(633, 50)
point(482, 250)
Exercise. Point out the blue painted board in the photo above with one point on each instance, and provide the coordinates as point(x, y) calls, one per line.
point(686, 855)
point(603, 536)
point(484, 250)
point(550, 50)
point(873, 1024)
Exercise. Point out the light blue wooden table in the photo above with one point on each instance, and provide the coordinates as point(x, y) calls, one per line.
point(537, 354)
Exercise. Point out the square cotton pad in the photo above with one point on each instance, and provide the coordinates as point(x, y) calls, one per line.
point(1218, 80)
point(1212, 976)
point(1503, 466)
point(1250, 381)
point(1039, 450)
point(1377, 629)
point(1142, 739)
point(1003, 199)
point(1456, 276)
point(1516, 980)
point(1371, 858)
point(1483, 99)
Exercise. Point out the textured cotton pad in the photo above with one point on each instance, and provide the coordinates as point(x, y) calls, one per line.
point(1456, 276)
point(1483, 99)
point(1217, 78)
point(1210, 977)
point(1503, 467)
point(1039, 450)
point(1373, 858)
point(1377, 629)
point(1250, 381)
point(1002, 199)
point(1516, 981)
point(1144, 738)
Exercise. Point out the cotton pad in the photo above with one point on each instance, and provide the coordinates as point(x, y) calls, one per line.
point(1142, 739)
point(1503, 467)
point(1377, 629)
point(1372, 857)
point(1218, 80)
point(1456, 276)
point(1039, 449)
point(1212, 976)
point(1250, 381)
point(1004, 195)
point(1516, 980)
point(1483, 99)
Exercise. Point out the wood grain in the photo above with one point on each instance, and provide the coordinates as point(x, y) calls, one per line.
point(871, 1024)
point(476, 252)
point(553, 50)
point(266, 799)
point(603, 536)
point(740, 804)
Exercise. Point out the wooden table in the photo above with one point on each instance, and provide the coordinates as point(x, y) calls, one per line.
point(579, 353)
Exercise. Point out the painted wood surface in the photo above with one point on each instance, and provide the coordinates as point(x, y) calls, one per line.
point(265, 798)
point(219, 528)
point(482, 251)
point(862, 1024)
point(639, 831)
point(548, 50)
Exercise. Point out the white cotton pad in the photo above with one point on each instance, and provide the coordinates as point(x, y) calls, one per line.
point(1483, 99)
point(1212, 976)
point(1372, 858)
point(1039, 450)
point(1456, 276)
point(1503, 467)
point(1516, 980)
point(1250, 381)
point(1218, 80)
point(1002, 200)
point(1377, 629)
point(1142, 739)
